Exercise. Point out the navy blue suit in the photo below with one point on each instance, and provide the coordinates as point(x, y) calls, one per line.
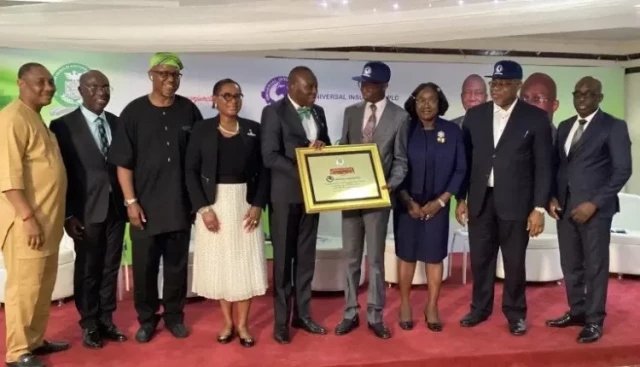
point(436, 166)
point(596, 169)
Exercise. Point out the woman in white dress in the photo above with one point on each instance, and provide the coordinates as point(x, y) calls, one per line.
point(228, 187)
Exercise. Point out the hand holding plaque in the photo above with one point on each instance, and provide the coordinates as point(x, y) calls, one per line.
point(342, 177)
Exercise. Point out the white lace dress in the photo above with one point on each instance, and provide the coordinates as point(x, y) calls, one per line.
point(230, 264)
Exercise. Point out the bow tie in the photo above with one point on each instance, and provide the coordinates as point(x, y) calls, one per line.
point(304, 112)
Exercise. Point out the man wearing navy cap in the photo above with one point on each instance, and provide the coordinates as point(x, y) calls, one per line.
point(508, 145)
point(376, 120)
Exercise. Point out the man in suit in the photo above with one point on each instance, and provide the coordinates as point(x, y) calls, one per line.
point(95, 212)
point(593, 154)
point(294, 121)
point(33, 186)
point(474, 92)
point(508, 146)
point(376, 120)
point(540, 90)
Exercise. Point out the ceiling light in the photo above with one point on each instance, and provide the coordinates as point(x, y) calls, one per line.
point(395, 6)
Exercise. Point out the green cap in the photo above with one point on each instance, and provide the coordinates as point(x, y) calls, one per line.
point(166, 58)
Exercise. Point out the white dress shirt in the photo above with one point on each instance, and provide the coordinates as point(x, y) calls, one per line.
point(308, 123)
point(500, 119)
point(572, 132)
point(380, 105)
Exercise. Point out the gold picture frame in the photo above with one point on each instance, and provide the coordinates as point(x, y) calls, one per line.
point(342, 177)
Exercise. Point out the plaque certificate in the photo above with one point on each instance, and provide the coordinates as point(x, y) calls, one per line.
point(342, 177)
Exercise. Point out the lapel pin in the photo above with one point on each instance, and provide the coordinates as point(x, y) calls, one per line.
point(250, 133)
point(440, 137)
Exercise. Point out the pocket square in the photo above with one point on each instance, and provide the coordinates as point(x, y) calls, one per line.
point(186, 128)
point(251, 133)
point(526, 133)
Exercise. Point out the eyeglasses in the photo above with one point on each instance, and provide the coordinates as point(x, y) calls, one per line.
point(93, 89)
point(164, 75)
point(535, 100)
point(501, 84)
point(230, 97)
point(585, 95)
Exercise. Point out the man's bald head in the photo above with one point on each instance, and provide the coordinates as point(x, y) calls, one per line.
point(95, 91)
point(540, 90)
point(474, 91)
point(302, 86)
point(587, 96)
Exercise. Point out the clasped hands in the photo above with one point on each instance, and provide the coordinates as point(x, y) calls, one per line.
point(250, 221)
point(426, 212)
point(581, 214)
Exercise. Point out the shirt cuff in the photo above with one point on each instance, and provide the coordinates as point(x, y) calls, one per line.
point(11, 183)
point(540, 209)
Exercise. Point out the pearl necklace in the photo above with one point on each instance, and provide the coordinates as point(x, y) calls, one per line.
point(230, 132)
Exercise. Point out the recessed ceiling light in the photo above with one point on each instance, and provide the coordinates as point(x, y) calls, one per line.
point(395, 6)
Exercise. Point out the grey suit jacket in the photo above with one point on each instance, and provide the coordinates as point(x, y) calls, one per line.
point(391, 135)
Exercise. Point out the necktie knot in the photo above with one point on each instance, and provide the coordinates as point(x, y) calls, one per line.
point(304, 112)
point(373, 108)
point(102, 134)
point(582, 122)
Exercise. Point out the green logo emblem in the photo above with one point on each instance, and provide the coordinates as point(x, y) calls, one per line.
point(67, 80)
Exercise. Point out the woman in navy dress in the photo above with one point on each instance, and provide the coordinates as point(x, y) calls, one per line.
point(437, 168)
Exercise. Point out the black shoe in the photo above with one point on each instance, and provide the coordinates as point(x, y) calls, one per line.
point(49, 347)
point(380, 330)
point(26, 360)
point(591, 333)
point(308, 325)
point(179, 331)
point(91, 338)
point(281, 334)
point(566, 320)
point(246, 342)
point(226, 338)
point(518, 327)
point(406, 325)
point(347, 325)
point(145, 333)
point(471, 320)
point(112, 333)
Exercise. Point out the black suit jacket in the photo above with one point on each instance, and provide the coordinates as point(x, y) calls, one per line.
point(597, 167)
point(521, 161)
point(282, 133)
point(201, 163)
point(89, 176)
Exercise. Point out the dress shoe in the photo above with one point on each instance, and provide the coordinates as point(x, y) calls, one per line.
point(26, 360)
point(471, 320)
point(91, 338)
point(145, 333)
point(112, 333)
point(246, 342)
point(281, 334)
point(179, 331)
point(380, 330)
point(49, 347)
point(226, 338)
point(406, 325)
point(566, 320)
point(347, 325)
point(308, 325)
point(518, 327)
point(591, 333)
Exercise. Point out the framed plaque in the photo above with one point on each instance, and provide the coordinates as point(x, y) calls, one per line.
point(342, 177)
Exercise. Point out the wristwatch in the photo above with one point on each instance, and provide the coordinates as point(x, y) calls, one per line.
point(128, 202)
point(204, 210)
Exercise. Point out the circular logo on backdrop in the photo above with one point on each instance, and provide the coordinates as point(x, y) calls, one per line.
point(275, 89)
point(67, 81)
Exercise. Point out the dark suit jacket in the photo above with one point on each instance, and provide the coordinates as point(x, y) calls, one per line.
point(201, 163)
point(597, 167)
point(282, 133)
point(89, 176)
point(521, 161)
point(450, 165)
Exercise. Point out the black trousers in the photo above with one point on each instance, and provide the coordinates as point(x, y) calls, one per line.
point(173, 249)
point(293, 234)
point(95, 276)
point(584, 256)
point(487, 234)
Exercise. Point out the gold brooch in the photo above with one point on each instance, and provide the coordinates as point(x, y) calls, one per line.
point(440, 137)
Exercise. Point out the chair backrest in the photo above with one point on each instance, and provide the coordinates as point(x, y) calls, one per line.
point(629, 216)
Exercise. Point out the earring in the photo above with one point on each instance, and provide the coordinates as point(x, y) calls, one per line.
point(215, 106)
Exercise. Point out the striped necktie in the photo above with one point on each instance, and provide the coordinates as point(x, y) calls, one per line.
point(578, 134)
point(102, 132)
point(367, 133)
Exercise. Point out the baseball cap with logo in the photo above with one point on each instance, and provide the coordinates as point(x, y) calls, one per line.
point(374, 72)
point(506, 69)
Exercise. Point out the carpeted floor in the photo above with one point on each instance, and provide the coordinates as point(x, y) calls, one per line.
point(488, 345)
